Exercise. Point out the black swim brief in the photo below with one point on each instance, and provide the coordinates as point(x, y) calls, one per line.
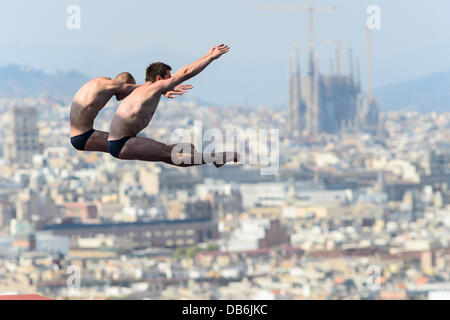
point(115, 146)
point(79, 142)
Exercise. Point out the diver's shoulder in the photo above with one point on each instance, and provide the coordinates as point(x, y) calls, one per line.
point(99, 80)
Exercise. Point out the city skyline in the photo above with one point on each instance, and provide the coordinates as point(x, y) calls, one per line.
point(340, 207)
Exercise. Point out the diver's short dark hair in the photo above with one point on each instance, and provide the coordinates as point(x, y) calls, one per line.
point(156, 69)
point(126, 77)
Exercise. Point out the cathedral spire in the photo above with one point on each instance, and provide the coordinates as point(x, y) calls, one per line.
point(351, 67)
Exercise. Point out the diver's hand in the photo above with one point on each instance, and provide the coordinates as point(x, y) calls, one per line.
point(178, 91)
point(184, 87)
point(217, 51)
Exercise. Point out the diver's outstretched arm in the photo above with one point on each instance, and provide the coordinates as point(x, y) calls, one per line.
point(191, 70)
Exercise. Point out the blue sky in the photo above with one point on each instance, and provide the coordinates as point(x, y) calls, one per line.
point(127, 35)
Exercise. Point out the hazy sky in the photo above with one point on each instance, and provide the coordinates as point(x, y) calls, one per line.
point(126, 35)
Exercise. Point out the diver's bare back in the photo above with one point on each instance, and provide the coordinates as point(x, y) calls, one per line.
point(135, 113)
point(87, 103)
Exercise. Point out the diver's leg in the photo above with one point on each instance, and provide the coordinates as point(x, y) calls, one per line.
point(98, 141)
point(182, 155)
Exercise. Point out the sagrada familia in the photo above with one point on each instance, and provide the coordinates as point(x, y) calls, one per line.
point(334, 103)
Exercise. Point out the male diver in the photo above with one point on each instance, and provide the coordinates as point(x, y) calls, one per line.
point(88, 102)
point(136, 112)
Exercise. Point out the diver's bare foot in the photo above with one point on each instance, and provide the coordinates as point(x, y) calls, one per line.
point(227, 157)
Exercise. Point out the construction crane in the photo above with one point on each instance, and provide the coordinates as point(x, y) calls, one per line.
point(369, 66)
point(310, 8)
point(313, 67)
point(372, 103)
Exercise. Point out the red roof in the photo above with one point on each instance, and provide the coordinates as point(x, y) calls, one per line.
point(421, 280)
point(24, 297)
point(339, 280)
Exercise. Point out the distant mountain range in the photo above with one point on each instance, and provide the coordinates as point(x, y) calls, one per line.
point(430, 93)
point(19, 82)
